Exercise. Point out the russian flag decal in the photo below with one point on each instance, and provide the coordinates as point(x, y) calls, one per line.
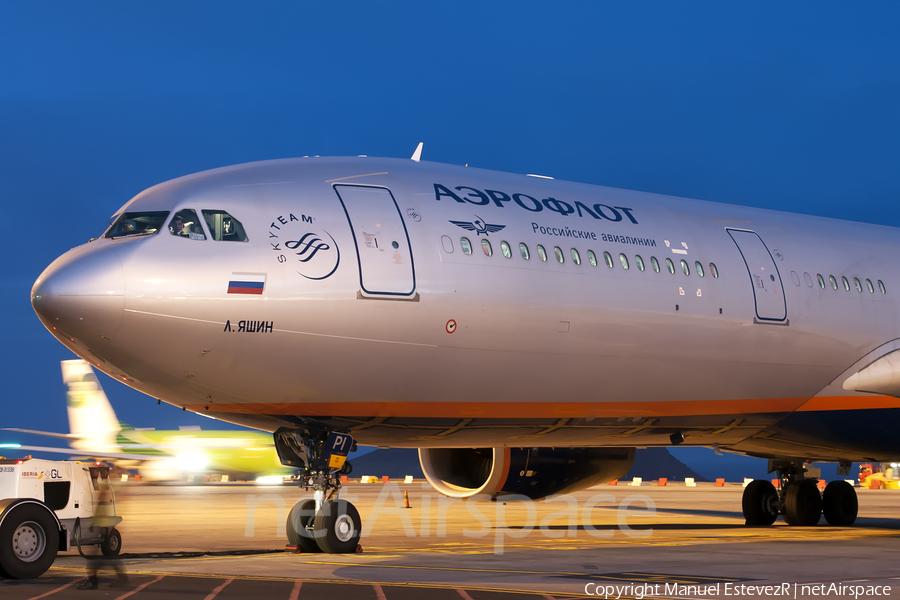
point(247, 283)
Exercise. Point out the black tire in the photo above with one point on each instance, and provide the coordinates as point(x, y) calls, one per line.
point(301, 516)
point(802, 503)
point(839, 504)
point(759, 503)
point(337, 527)
point(29, 542)
point(112, 545)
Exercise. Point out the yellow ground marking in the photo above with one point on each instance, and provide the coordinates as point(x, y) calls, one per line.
point(657, 539)
point(438, 586)
point(439, 568)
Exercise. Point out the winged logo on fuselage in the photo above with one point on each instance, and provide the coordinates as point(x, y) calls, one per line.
point(479, 226)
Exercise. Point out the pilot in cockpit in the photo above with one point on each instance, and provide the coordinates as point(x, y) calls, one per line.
point(176, 227)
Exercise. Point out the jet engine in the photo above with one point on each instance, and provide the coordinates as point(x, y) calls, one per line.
point(532, 472)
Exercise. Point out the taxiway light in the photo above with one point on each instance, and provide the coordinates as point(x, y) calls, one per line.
point(269, 479)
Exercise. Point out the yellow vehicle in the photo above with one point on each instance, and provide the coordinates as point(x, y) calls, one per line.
point(879, 476)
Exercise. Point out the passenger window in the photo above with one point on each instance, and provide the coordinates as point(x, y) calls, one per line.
point(639, 262)
point(821, 280)
point(223, 227)
point(655, 264)
point(592, 258)
point(559, 254)
point(881, 287)
point(685, 268)
point(795, 278)
point(466, 245)
point(186, 224)
point(576, 257)
point(807, 278)
point(670, 266)
point(542, 253)
point(504, 247)
point(624, 260)
point(523, 249)
point(137, 223)
point(486, 246)
point(846, 283)
point(699, 268)
point(607, 258)
point(869, 285)
point(857, 284)
point(833, 281)
point(713, 270)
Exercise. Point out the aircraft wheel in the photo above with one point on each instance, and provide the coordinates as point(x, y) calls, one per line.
point(337, 527)
point(29, 542)
point(802, 503)
point(759, 503)
point(301, 516)
point(112, 545)
point(839, 504)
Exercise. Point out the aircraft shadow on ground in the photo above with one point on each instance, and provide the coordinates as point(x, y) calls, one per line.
point(639, 526)
point(696, 511)
point(861, 523)
point(864, 522)
point(877, 523)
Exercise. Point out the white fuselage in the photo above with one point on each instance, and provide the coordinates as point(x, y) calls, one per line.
point(372, 318)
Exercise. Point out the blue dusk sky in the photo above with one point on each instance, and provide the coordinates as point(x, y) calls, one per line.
point(784, 105)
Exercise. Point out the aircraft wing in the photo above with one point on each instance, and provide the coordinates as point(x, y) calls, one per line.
point(81, 453)
point(65, 436)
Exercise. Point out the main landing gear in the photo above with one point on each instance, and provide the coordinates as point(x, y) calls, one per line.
point(799, 501)
point(325, 523)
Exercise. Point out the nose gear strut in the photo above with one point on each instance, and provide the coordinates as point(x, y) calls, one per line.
point(327, 523)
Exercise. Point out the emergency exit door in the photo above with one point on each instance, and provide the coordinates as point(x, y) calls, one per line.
point(382, 243)
point(765, 280)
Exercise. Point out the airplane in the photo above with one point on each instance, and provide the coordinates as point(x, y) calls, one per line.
point(155, 455)
point(525, 334)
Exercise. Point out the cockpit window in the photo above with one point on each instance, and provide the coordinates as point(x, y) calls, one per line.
point(186, 224)
point(138, 223)
point(224, 227)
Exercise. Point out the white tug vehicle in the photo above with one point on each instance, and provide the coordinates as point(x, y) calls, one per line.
point(52, 506)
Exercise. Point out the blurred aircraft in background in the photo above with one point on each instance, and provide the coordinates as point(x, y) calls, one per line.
point(95, 432)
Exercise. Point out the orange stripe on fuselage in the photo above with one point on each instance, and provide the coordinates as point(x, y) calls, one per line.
point(850, 403)
point(545, 410)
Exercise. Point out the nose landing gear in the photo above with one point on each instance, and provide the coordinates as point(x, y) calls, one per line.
point(325, 523)
point(799, 500)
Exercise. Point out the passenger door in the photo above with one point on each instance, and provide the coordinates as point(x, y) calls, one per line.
point(765, 280)
point(382, 243)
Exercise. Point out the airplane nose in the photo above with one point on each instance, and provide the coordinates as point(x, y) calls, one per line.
point(81, 295)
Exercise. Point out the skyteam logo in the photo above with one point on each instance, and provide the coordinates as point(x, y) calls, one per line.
point(479, 226)
point(312, 253)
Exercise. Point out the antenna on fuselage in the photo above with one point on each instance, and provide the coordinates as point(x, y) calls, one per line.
point(418, 153)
